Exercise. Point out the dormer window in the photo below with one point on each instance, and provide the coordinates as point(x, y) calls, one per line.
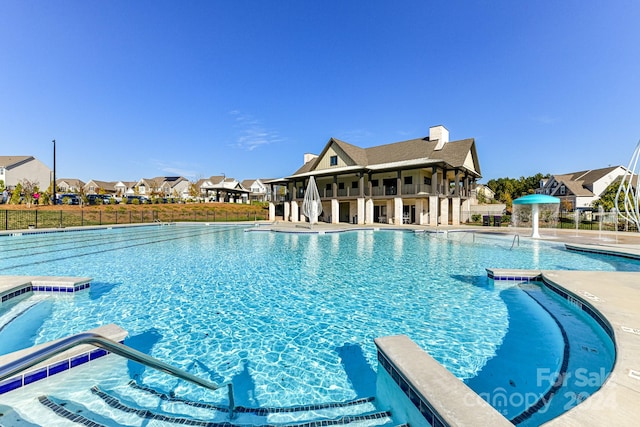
point(333, 160)
point(563, 190)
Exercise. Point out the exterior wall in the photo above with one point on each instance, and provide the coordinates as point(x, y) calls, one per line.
point(333, 150)
point(601, 185)
point(35, 171)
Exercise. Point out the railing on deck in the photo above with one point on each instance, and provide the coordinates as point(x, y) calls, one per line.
point(20, 365)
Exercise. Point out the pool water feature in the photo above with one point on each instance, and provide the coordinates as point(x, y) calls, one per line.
point(289, 318)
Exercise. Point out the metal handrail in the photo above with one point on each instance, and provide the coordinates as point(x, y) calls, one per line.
point(516, 237)
point(22, 364)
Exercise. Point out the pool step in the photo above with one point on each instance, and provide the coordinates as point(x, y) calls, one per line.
point(115, 409)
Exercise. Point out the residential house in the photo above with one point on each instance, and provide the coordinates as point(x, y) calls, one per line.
point(578, 190)
point(125, 188)
point(258, 190)
point(100, 187)
point(69, 185)
point(426, 180)
point(163, 186)
point(482, 191)
point(175, 186)
point(17, 169)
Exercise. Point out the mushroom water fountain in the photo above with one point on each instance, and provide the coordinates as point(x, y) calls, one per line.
point(535, 200)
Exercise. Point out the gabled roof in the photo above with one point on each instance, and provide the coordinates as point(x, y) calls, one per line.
point(9, 162)
point(579, 183)
point(105, 185)
point(74, 182)
point(576, 188)
point(404, 153)
point(588, 177)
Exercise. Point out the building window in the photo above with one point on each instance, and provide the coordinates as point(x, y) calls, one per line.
point(427, 181)
point(354, 184)
point(341, 186)
point(328, 187)
point(374, 182)
point(408, 180)
point(334, 160)
point(563, 190)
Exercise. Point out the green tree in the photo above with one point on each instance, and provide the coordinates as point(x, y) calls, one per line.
point(608, 199)
point(15, 194)
point(507, 189)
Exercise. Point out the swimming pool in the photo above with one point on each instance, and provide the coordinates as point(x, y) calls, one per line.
point(288, 317)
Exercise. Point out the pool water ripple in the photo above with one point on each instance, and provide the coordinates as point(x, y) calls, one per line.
point(271, 311)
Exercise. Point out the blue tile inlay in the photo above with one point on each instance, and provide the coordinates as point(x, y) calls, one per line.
point(32, 377)
point(59, 367)
point(47, 371)
point(10, 384)
point(44, 288)
point(420, 403)
point(79, 360)
point(97, 353)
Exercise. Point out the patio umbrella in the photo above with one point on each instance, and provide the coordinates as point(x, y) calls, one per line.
point(311, 205)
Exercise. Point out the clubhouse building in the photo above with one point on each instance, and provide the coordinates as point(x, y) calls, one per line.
point(425, 181)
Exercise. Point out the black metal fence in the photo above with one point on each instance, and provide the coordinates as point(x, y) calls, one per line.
point(34, 218)
point(564, 220)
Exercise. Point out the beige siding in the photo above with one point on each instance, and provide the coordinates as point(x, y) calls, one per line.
point(334, 150)
point(469, 163)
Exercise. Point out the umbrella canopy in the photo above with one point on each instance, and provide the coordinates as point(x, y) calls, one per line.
point(312, 205)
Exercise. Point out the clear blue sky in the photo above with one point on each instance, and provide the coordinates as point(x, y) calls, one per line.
point(133, 89)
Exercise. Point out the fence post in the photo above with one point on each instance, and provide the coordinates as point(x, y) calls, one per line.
point(82, 218)
point(60, 218)
point(36, 218)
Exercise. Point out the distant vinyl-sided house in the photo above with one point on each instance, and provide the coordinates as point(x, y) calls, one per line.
point(258, 191)
point(16, 169)
point(69, 185)
point(425, 181)
point(163, 186)
point(100, 187)
point(578, 190)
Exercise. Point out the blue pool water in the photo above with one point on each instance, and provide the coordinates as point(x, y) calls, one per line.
point(289, 318)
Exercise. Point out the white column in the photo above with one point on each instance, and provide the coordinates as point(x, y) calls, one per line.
point(433, 211)
point(360, 210)
point(444, 211)
point(534, 221)
point(295, 215)
point(420, 212)
point(397, 210)
point(368, 219)
point(335, 211)
point(272, 211)
point(287, 210)
point(455, 211)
